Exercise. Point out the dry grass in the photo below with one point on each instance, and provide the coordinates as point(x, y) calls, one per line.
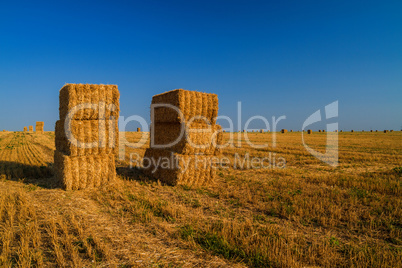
point(306, 215)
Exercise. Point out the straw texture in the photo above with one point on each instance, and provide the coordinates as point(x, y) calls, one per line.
point(190, 103)
point(88, 137)
point(193, 170)
point(81, 172)
point(102, 97)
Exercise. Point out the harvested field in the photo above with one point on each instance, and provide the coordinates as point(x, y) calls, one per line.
point(305, 215)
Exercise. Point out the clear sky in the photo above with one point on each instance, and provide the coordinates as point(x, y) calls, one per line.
point(277, 57)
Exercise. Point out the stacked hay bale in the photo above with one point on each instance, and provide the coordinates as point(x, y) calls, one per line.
point(190, 154)
point(87, 138)
point(30, 128)
point(138, 129)
point(25, 129)
point(39, 127)
point(284, 130)
point(309, 131)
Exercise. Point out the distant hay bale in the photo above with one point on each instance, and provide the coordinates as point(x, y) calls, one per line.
point(25, 129)
point(309, 131)
point(341, 131)
point(30, 128)
point(371, 130)
point(291, 130)
point(319, 130)
point(244, 130)
point(335, 130)
point(391, 130)
point(261, 131)
point(4, 130)
point(190, 103)
point(363, 130)
point(39, 127)
point(385, 131)
point(352, 130)
point(138, 129)
point(376, 130)
point(284, 130)
point(323, 130)
point(85, 156)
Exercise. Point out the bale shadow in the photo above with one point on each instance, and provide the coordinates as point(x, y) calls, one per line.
point(133, 174)
point(28, 174)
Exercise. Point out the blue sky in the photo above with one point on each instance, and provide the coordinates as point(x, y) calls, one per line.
point(276, 57)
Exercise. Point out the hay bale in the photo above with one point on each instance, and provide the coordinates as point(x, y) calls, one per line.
point(352, 130)
point(323, 130)
point(198, 134)
point(391, 130)
point(78, 165)
point(261, 131)
point(4, 130)
point(335, 130)
point(103, 135)
point(103, 97)
point(319, 130)
point(385, 131)
point(341, 131)
point(138, 129)
point(284, 131)
point(81, 172)
point(30, 128)
point(371, 130)
point(291, 130)
point(309, 131)
point(192, 170)
point(190, 103)
point(25, 129)
point(376, 130)
point(39, 127)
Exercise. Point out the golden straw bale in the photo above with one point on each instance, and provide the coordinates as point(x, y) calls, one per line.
point(104, 98)
point(138, 129)
point(352, 130)
point(39, 127)
point(25, 129)
point(175, 169)
point(196, 138)
point(30, 128)
point(88, 137)
point(81, 172)
point(190, 103)
point(284, 130)
point(309, 131)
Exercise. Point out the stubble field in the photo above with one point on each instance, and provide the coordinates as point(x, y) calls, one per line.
point(306, 214)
